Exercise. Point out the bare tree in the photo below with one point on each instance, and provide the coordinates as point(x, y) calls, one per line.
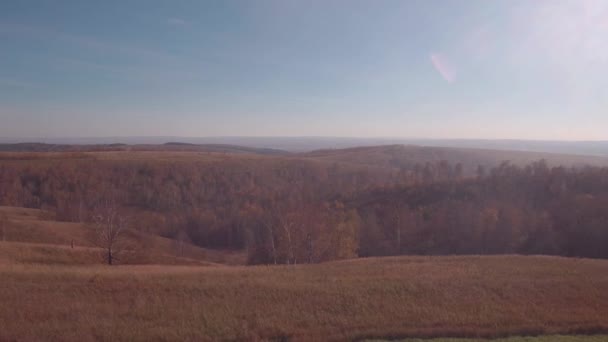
point(3, 224)
point(269, 224)
point(109, 228)
point(179, 242)
point(288, 225)
point(309, 247)
point(398, 223)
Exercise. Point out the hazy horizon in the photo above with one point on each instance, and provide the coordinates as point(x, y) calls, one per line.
point(305, 144)
point(33, 139)
point(516, 70)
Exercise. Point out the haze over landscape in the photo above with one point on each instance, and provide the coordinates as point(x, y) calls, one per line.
point(390, 170)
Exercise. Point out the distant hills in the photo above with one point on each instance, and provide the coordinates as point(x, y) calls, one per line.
point(406, 156)
point(307, 144)
point(170, 146)
point(386, 157)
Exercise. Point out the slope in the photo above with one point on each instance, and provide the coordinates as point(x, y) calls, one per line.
point(32, 236)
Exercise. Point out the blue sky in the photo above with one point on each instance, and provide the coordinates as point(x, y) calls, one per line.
point(429, 68)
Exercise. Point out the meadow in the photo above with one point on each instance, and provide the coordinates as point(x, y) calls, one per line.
point(371, 298)
point(551, 338)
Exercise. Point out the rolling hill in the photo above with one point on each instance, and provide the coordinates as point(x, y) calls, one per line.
point(222, 198)
point(169, 146)
point(400, 156)
point(311, 143)
point(32, 236)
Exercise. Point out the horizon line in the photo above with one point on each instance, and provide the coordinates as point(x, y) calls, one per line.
point(24, 139)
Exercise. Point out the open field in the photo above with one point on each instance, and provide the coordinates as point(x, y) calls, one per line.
point(395, 297)
point(550, 338)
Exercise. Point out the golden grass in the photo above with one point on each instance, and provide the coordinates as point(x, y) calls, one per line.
point(550, 338)
point(31, 253)
point(367, 298)
point(48, 254)
point(47, 242)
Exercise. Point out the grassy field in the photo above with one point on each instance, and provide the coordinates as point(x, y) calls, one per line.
point(384, 298)
point(33, 237)
point(550, 338)
point(51, 291)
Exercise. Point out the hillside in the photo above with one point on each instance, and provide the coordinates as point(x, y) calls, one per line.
point(406, 156)
point(166, 147)
point(32, 236)
point(349, 300)
point(393, 156)
point(245, 201)
point(195, 218)
point(307, 144)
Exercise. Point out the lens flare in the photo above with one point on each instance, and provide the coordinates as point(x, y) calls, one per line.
point(443, 67)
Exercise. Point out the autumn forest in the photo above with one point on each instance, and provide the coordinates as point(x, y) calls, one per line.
point(325, 205)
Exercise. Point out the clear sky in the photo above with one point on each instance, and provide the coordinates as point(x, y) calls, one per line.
point(533, 69)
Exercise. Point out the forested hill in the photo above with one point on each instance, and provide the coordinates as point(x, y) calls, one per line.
point(395, 156)
point(528, 210)
point(325, 205)
point(166, 147)
point(399, 156)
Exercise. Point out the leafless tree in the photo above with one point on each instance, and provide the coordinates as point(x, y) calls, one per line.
point(270, 226)
point(287, 225)
point(398, 223)
point(3, 223)
point(179, 242)
point(309, 248)
point(109, 228)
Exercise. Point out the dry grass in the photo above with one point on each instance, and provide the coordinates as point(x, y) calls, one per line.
point(48, 254)
point(31, 253)
point(367, 298)
point(32, 237)
point(550, 338)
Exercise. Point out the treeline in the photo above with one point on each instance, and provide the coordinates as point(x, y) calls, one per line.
point(224, 202)
point(510, 209)
point(290, 210)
